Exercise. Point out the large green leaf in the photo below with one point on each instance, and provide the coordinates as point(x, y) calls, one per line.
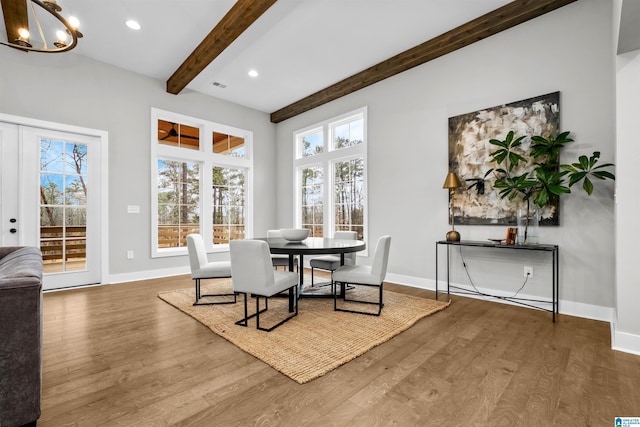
point(506, 151)
point(586, 167)
point(549, 147)
point(587, 185)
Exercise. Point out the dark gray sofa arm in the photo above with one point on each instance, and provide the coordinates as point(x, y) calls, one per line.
point(20, 335)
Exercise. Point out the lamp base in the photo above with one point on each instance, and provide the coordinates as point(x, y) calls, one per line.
point(453, 236)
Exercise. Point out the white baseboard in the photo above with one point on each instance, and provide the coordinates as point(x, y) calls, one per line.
point(627, 343)
point(589, 311)
point(623, 341)
point(149, 274)
point(570, 308)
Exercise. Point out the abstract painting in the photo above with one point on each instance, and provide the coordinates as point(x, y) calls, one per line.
point(469, 156)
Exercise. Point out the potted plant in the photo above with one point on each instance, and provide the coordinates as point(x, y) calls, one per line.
point(536, 174)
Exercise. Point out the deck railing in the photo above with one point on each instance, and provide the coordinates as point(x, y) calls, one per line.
point(70, 241)
point(52, 244)
point(173, 236)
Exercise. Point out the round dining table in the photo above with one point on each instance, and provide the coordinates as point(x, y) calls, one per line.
point(311, 246)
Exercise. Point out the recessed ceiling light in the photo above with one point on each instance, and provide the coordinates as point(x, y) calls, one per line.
point(133, 24)
point(253, 73)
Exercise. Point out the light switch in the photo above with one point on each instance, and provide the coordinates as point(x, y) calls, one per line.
point(133, 209)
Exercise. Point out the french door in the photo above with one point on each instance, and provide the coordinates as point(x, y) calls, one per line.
point(51, 198)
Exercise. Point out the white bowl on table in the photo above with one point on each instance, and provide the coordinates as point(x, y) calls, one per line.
point(295, 234)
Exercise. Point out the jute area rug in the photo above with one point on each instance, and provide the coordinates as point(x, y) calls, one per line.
point(318, 339)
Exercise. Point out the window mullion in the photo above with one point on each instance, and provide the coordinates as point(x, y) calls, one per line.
point(329, 199)
point(206, 198)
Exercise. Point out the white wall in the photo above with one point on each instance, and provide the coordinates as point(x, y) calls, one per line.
point(78, 91)
point(568, 50)
point(627, 325)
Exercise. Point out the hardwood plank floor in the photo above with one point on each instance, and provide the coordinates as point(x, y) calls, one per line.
point(117, 355)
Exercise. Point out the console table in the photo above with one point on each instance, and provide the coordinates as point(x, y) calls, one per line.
point(555, 279)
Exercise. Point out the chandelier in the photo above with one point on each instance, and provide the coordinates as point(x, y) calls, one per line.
point(23, 18)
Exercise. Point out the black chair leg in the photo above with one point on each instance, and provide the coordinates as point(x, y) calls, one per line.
point(379, 303)
point(245, 321)
point(199, 296)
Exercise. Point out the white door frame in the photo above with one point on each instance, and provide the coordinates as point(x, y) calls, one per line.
point(103, 137)
point(9, 187)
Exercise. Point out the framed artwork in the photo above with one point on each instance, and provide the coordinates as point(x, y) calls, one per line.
point(477, 202)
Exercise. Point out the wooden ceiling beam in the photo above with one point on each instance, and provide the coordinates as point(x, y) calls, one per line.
point(503, 18)
point(240, 17)
point(15, 17)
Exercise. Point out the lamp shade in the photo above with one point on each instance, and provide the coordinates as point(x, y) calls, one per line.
point(452, 181)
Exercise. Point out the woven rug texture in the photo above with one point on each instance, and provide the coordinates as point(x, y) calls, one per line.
point(319, 339)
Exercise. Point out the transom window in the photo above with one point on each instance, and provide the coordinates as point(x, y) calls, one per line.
point(202, 173)
point(228, 144)
point(330, 169)
point(178, 135)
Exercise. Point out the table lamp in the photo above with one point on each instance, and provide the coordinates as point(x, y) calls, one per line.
point(452, 182)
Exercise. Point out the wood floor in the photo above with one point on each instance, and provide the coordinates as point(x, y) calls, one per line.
point(117, 355)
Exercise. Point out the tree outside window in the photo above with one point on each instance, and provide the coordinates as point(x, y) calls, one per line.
point(178, 202)
point(228, 204)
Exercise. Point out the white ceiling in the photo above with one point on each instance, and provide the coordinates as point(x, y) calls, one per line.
point(297, 46)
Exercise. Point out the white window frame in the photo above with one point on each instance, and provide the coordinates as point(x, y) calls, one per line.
point(327, 159)
point(207, 159)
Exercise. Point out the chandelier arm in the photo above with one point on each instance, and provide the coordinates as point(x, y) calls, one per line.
point(70, 30)
point(35, 17)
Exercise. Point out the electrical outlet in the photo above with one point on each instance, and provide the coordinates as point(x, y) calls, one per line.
point(528, 272)
point(129, 254)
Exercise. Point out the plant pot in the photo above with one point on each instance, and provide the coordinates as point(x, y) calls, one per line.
point(528, 227)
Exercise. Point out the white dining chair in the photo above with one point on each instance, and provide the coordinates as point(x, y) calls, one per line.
point(252, 273)
point(355, 275)
point(201, 269)
point(279, 260)
point(332, 262)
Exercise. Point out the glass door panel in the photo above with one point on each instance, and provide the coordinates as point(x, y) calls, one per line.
point(63, 205)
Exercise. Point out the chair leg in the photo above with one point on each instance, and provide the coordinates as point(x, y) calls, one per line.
point(245, 320)
point(379, 303)
point(258, 311)
point(321, 284)
point(199, 296)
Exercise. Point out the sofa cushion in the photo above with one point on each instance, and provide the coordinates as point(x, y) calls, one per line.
point(22, 263)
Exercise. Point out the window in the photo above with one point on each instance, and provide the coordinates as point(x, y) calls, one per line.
point(178, 202)
point(312, 200)
point(202, 173)
point(330, 166)
point(228, 204)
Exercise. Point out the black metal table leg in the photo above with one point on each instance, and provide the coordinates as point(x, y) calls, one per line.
point(436, 271)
